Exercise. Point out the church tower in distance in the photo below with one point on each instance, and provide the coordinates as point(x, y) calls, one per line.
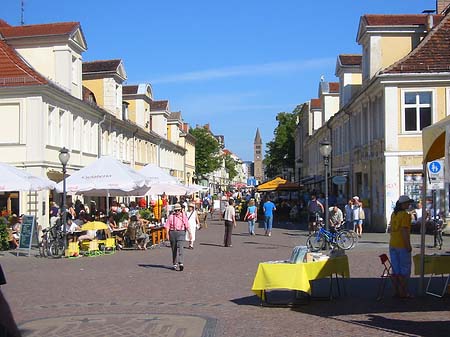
point(257, 158)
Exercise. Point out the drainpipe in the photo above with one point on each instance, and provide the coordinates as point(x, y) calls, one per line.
point(99, 142)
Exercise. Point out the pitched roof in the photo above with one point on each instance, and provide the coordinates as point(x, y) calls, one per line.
point(350, 59)
point(3, 23)
point(14, 71)
point(316, 103)
point(432, 55)
point(159, 105)
point(398, 19)
point(130, 89)
point(101, 66)
point(60, 28)
point(175, 115)
point(333, 87)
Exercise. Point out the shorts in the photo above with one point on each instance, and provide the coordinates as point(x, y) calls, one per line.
point(313, 217)
point(401, 261)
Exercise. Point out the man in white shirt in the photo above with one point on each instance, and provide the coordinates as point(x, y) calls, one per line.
point(230, 222)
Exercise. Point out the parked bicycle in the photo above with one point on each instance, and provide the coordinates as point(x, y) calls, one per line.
point(52, 242)
point(341, 238)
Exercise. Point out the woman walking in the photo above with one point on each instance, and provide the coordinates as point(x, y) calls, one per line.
point(176, 226)
point(194, 224)
point(230, 221)
point(251, 216)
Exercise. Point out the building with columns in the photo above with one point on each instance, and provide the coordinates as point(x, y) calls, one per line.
point(50, 98)
point(398, 85)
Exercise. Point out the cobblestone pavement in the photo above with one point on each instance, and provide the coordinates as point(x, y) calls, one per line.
point(135, 293)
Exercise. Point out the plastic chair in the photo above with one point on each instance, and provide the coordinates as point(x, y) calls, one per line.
point(93, 249)
point(110, 246)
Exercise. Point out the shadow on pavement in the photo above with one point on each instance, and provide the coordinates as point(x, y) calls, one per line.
point(161, 266)
point(210, 244)
point(360, 299)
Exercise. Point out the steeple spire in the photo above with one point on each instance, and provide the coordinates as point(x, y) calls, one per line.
point(258, 137)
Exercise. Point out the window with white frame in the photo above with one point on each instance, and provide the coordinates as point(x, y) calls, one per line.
point(76, 143)
point(63, 130)
point(417, 110)
point(51, 125)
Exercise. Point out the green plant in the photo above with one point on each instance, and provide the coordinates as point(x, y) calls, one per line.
point(4, 243)
point(146, 214)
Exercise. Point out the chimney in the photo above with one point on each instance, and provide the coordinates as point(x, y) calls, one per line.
point(441, 6)
point(430, 22)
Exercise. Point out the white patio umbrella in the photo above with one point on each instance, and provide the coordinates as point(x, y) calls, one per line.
point(168, 188)
point(193, 188)
point(155, 174)
point(14, 179)
point(106, 176)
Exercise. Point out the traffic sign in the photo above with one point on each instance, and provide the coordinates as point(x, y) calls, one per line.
point(339, 180)
point(436, 175)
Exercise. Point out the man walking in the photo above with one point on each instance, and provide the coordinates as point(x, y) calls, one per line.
point(229, 216)
point(268, 209)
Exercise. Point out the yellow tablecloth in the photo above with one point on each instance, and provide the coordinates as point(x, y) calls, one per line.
point(434, 264)
point(297, 276)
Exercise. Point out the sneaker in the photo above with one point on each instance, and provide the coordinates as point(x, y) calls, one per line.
point(175, 267)
point(253, 233)
point(270, 234)
point(180, 265)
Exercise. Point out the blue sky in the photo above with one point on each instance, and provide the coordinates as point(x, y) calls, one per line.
point(232, 64)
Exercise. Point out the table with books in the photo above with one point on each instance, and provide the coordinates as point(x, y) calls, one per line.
point(298, 276)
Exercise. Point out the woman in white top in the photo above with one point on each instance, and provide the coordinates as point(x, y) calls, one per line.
point(194, 224)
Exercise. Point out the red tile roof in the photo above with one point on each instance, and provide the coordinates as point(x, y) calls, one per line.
point(432, 55)
point(62, 28)
point(14, 71)
point(398, 19)
point(130, 89)
point(316, 103)
point(175, 115)
point(334, 87)
point(100, 66)
point(159, 105)
point(4, 23)
point(350, 59)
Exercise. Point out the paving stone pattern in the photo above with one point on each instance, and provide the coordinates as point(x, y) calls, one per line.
point(135, 293)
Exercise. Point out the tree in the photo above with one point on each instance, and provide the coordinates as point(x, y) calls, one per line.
point(281, 150)
point(207, 151)
point(230, 166)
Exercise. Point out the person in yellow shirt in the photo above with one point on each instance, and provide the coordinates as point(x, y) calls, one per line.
point(400, 246)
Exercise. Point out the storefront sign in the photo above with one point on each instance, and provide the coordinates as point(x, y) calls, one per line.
point(26, 232)
point(339, 180)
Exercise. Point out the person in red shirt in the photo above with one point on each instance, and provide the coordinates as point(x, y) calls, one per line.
point(142, 203)
point(176, 227)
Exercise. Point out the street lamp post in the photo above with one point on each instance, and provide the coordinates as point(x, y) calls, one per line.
point(325, 151)
point(64, 157)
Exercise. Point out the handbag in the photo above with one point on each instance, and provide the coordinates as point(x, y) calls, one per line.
point(251, 216)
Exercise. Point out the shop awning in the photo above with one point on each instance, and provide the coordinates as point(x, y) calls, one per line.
point(433, 140)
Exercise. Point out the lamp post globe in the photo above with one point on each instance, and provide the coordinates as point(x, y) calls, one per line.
point(325, 150)
point(64, 157)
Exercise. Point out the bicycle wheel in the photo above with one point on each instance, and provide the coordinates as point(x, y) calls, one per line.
point(43, 248)
point(315, 241)
point(56, 248)
point(354, 236)
point(345, 240)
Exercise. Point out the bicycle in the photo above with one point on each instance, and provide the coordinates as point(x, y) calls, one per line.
point(52, 242)
point(341, 238)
